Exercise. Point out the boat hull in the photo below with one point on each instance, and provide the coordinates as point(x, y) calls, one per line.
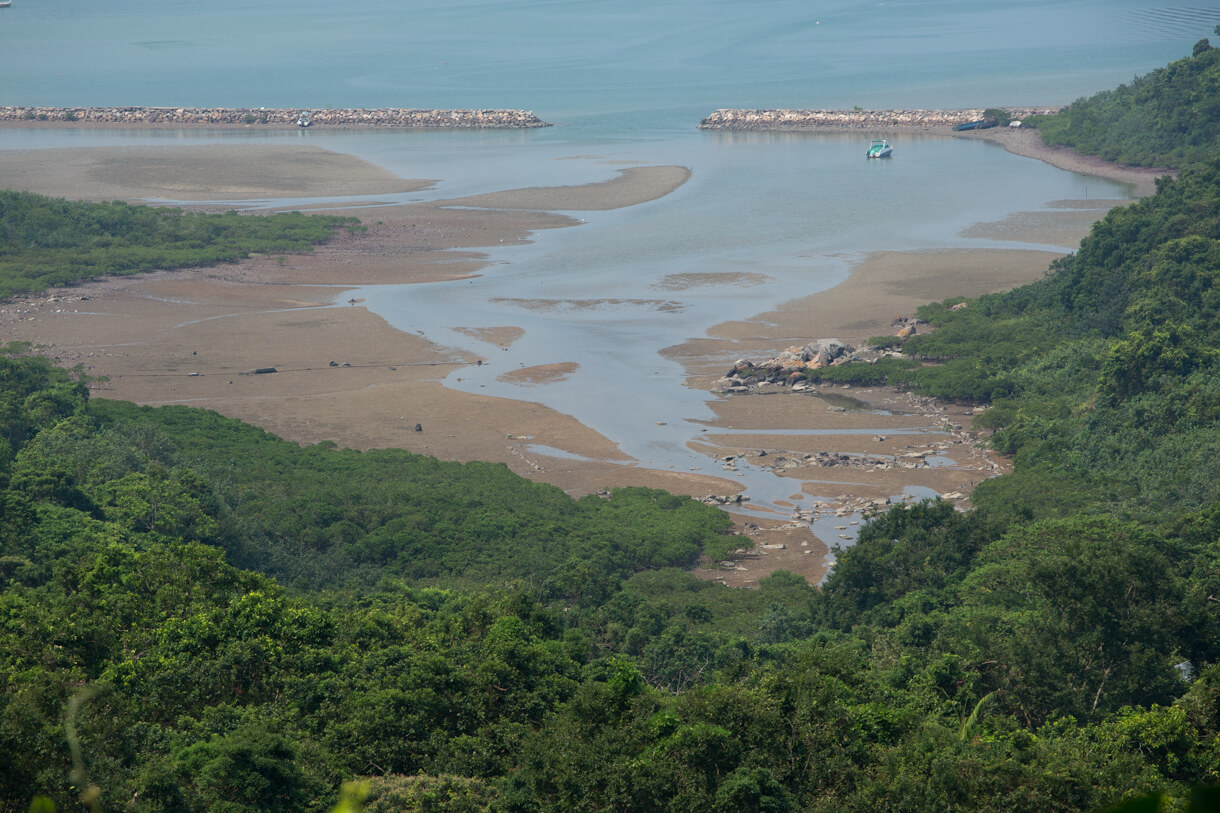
point(879, 149)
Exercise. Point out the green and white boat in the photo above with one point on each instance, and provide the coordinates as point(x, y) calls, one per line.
point(880, 149)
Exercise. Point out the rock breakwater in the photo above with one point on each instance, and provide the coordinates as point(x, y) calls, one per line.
point(797, 120)
point(268, 117)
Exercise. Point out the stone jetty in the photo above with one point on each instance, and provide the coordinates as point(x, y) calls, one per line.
point(269, 117)
point(799, 120)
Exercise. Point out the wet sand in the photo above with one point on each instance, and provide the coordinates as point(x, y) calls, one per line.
point(194, 337)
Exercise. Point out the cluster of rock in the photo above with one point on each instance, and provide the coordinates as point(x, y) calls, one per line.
point(726, 119)
point(846, 505)
point(724, 499)
point(791, 364)
point(226, 117)
point(782, 462)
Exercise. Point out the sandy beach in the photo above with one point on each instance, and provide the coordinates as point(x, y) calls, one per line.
point(342, 374)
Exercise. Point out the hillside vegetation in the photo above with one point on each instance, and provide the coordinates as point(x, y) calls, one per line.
point(196, 615)
point(1023, 665)
point(1166, 118)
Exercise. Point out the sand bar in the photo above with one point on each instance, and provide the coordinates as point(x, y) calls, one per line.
point(200, 173)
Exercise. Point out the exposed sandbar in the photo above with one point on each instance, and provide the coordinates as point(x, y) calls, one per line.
point(632, 186)
point(148, 334)
point(196, 173)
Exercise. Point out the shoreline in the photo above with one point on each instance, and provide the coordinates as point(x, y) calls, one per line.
point(187, 337)
point(1028, 144)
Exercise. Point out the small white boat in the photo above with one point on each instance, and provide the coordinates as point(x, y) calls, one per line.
point(880, 149)
point(302, 120)
point(5, 3)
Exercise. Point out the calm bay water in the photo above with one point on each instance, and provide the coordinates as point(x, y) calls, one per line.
point(623, 82)
point(638, 62)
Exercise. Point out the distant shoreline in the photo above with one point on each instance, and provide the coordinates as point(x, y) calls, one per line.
point(273, 118)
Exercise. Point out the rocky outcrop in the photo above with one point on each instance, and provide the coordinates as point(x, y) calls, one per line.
point(791, 365)
point(268, 117)
point(789, 461)
point(852, 119)
point(724, 499)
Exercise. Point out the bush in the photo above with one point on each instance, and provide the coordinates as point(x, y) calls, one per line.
point(999, 114)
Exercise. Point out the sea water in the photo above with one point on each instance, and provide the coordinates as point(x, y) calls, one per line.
point(624, 83)
point(625, 65)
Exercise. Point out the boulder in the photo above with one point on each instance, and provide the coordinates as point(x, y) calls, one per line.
point(788, 359)
point(823, 351)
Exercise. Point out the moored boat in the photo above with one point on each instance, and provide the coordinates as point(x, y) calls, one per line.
point(880, 149)
point(980, 124)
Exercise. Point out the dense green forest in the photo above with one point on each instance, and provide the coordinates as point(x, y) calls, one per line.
point(46, 242)
point(951, 659)
point(196, 615)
